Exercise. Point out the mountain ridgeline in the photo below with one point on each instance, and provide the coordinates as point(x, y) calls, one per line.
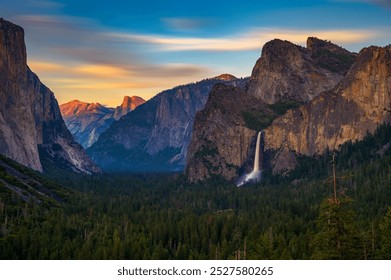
point(308, 99)
point(156, 135)
point(286, 71)
point(86, 121)
point(32, 130)
point(305, 100)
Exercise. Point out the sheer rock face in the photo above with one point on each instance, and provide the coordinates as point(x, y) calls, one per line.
point(289, 72)
point(156, 135)
point(86, 121)
point(30, 119)
point(220, 142)
point(18, 140)
point(358, 104)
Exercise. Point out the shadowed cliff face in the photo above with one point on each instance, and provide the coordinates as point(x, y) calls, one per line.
point(289, 72)
point(30, 119)
point(358, 104)
point(156, 135)
point(221, 141)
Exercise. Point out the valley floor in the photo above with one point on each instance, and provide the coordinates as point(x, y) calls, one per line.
point(122, 216)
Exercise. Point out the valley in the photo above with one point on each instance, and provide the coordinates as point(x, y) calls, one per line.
point(122, 216)
point(157, 179)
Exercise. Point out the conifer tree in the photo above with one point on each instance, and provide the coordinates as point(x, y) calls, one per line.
point(337, 236)
point(385, 236)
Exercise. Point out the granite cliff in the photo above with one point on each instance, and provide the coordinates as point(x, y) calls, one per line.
point(286, 71)
point(221, 139)
point(355, 99)
point(357, 105)
point(86, 121)
point(31, 126)
point(156, 135)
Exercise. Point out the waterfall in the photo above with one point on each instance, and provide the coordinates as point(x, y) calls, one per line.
point(255, 175)
point(256, 158)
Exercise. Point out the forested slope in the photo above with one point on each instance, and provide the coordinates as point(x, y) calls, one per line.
point(118, 216)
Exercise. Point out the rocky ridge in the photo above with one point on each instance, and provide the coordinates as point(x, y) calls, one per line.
point(156, 135)
point(286, 71)
point(86, 121)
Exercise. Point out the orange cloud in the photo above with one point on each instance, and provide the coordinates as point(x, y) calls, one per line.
point(102, 71)
point(108, 84)
point(43, 66)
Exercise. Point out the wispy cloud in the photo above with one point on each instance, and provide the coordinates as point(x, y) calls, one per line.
point(74, 54)
point(250, 40)
point(46, 67)
point(78, 56)
point(108, 84)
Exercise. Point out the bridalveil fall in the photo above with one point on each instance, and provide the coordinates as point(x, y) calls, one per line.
point(255, 175)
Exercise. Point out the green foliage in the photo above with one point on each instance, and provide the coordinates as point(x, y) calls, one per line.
point(351, 155)
point(335, 62)
point(257, 120)
point(30, 185)
point(282, 107)
point(123, 216)
point(262, 118)
point(205, 151)
point(337, 232)
point(385, 236)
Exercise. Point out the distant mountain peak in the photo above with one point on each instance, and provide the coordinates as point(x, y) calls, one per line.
point(127, 100)
point(226, 77)
point(75, 107)
point(75, 101)
point(129, 103)
point(132, 102)
point(87, 121)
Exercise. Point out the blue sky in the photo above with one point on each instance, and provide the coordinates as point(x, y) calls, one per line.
point(99, 51)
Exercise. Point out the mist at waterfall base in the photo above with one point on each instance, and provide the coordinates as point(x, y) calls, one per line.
point(255, 175)
point(252, 177)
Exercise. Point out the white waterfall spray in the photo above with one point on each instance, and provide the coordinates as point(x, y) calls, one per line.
point(255, 175)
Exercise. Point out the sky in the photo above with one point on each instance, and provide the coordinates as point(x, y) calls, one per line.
point(99, 51)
